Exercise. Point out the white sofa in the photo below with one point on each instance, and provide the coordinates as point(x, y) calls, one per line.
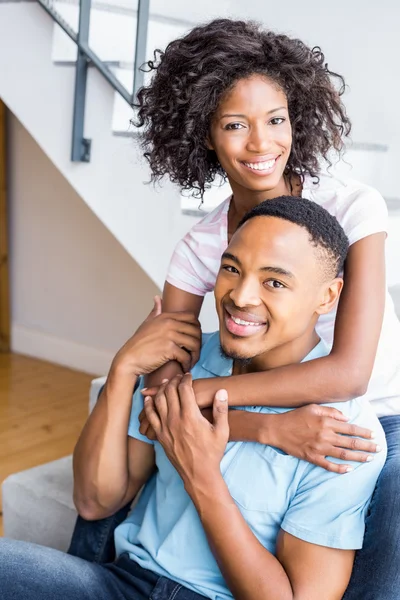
point(37, 503)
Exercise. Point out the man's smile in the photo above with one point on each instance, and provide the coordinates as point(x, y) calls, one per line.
point(243, 324)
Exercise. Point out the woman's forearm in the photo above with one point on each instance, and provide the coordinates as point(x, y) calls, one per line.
point(325, 379)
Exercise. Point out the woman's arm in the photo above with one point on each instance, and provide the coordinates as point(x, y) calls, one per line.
point(175, 300)
point(346, 371)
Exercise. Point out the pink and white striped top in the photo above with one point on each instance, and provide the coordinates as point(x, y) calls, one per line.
point(195, 263)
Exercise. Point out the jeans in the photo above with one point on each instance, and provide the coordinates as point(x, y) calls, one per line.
point(376, 572)
point(39, 573)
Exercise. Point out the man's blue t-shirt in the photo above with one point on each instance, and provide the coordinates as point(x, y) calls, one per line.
point(273, 490)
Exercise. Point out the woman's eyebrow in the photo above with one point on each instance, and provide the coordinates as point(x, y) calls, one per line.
point(269, 112)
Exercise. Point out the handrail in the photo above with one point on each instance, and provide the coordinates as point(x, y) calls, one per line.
point(80, 145)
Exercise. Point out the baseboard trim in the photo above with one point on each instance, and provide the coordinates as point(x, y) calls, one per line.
point(37, 344)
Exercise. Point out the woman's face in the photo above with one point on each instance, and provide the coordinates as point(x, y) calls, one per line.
point(252, 136)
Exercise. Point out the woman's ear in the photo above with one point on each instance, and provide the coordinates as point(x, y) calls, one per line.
point(330, 295)
point(209, 143)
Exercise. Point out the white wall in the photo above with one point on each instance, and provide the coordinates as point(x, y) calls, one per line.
point(76, 294)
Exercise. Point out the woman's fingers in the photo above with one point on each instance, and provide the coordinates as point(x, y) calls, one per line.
point(353, 443)
point(350, 455)
point(352, 430)
point(331, 466)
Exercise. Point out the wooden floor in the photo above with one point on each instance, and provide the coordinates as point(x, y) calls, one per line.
point(42, 410)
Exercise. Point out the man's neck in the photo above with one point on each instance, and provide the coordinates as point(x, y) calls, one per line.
point(280, 356)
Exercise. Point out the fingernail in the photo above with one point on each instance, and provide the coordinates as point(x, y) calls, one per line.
point(143, 389)
point(147, 399)
point(372, 434)
point(378, 449)
point(222, 395)
point(369, 458)
point(349, 469)
point(165, 381)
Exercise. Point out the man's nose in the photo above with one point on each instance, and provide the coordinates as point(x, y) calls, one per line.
point(246, 294)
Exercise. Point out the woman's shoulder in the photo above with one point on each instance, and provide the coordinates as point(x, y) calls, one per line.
point(212, 223)
point(359, 208)
point(338, 193)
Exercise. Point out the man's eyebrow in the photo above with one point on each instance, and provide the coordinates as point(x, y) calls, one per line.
point(278, 271)
point(273, 110)
point(232, 257)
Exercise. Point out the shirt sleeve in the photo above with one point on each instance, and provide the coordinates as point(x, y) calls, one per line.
point(189, 269)
point(329, 509)
point(363, 213)
point(137, 407)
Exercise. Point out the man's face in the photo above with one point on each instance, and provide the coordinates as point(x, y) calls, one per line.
point(269, 292)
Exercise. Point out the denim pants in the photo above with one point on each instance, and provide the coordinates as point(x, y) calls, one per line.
point(376, 572)
point(39, 573)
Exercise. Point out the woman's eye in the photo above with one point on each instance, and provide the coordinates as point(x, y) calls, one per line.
point(233, 126)
point(277, 120)
point(229, 268)
point(274, 284)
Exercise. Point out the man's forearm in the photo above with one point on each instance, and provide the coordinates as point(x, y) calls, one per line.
point(101, 475)
point(251, 572)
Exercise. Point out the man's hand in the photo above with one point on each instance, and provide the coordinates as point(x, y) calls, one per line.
point(193, 445)
point(161, 338)
point(314, 432)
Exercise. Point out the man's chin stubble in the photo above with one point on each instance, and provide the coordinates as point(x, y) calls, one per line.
point(242, 361)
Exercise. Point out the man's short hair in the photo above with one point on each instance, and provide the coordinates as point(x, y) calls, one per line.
point(324, 230)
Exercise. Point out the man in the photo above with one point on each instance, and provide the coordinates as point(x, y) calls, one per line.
point(218, 519)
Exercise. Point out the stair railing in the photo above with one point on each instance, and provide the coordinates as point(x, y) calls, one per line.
point(81, 146)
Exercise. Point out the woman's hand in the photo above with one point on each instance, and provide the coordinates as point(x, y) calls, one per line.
point(314, 432)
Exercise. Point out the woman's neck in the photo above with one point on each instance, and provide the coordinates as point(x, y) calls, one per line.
point(244, 199)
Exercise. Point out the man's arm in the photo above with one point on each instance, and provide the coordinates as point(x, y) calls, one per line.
point(109, 468)
point(301, 571)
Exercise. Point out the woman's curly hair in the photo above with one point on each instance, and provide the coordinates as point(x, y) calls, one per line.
point(195, 72)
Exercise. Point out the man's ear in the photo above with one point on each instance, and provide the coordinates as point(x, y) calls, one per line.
point(330, 295)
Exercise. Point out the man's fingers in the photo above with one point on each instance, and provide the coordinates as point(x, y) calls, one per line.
point(172, 396)
point(157, 308)
point(187, 397)
point(183, 357)
point(220, 412)
point(160, 402)
point(152, 415)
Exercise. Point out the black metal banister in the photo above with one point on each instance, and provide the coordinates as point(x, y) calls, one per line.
point(80, 145)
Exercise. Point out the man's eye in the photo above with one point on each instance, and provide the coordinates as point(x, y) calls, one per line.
point(274, 284)
point(229, 268)
point(233, 126)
